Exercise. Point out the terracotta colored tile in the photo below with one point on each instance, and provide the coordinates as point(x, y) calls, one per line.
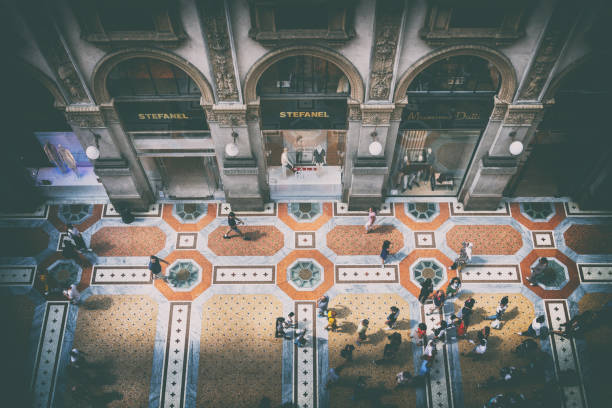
point(186, 227)
point(422, 226)
point(128, 241)
point(353, 240)
point(266, 240)
point(559, 216)
point(324, 286)
point(284, 216)
point(487, 239)
point(589, 239)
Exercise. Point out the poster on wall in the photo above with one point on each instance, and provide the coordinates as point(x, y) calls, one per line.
point(63, 150)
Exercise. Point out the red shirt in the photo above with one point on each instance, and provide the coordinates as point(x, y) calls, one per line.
point(421, 333)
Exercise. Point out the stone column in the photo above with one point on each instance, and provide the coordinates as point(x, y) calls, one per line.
point(368, 172)
point(240, 174)
point(118, 167)
point(493, 170)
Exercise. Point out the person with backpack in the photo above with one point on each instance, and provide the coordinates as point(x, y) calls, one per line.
point(421, 333)
point(501, 309)
point(426, 290)
point(392, 318)
point(466, 311)
point(233, 222)
point(77, 237)
point(332, 322)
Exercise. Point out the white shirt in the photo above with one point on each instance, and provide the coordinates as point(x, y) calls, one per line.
point(502, 308)
point(72, 293)
point(284, 158)
point(536, 326)
point(74, 232)
point(481, 348)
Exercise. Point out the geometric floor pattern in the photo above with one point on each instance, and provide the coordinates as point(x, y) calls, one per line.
point(179, 342)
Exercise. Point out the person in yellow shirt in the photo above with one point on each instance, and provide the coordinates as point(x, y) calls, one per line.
point(332, 322)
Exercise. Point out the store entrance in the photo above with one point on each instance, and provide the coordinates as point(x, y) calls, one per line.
point(188, 177)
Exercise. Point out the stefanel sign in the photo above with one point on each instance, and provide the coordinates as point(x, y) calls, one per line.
point(158, 116)
point(303, 115)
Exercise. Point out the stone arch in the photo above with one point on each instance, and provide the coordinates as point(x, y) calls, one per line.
point(556, 82)
point(265, 62)
point(44, 80)
point(110, 61)
point(499, 60)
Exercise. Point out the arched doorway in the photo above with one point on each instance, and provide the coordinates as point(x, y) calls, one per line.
point(571, 146)
point(303, 102)
point(448, 107)
point(159, 107)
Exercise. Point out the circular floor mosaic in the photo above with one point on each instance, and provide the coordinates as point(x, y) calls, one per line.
point(538, 211)
point(75, 213)
point(305, 211)
point(305, 274)
point(184, 274)
point(190, 212)
point(422, 211)
point(65, 272)
point(428, 268)
point(555, 276)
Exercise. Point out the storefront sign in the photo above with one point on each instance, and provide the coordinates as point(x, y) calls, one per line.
point(149, 116)
point(303, 115)
point(443, 116)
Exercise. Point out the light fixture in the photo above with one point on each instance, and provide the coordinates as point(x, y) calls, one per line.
point(93, 152)
point(375, 148)
point(231, 149)
point(516, 148)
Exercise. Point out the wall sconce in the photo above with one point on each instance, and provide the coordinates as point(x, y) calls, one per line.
point(375, 148)
point(231, 149)
point(93, 152)
point(516, 147)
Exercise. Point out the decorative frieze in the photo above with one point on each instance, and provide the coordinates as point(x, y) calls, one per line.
point(85, 116)
point(549, 50)
point(499, 110)
point(219, 49)
point(376, 114)
point(388, 24)
point(227, 115)
point(523, 114)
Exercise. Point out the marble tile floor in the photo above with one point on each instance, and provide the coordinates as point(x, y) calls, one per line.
point(206, 337)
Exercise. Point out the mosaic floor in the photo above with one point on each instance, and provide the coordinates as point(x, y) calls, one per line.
point(205, 336)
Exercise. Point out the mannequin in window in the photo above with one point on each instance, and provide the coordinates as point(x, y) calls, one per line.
point(286, 165)
point(430, 158)
point(299, 150)
point(318, 157)
point(407, 175)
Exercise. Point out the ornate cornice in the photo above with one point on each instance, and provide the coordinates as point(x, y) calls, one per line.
point(85, 116)
point(523, 114)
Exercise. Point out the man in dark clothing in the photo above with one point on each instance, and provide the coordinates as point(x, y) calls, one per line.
point(233, 222)
point(155, 267)
point(77, 237)
point(426, 290)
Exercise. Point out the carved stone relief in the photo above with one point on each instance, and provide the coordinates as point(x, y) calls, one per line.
point(219, 48)
point(227, 116)
point(523, 114)
point(388, 22)
point(354, 112)
point(85, 116)
point(376, 114)
point(550, 48)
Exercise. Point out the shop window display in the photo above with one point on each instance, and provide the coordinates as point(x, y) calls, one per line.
point(449, 105)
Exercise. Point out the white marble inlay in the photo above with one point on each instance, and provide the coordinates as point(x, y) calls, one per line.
point(595, 272)
point(458, 209)
point(154, 210)
point(60, 241)
point(438, 384)
point(564, 352)
point(573, 210)
point(366, 273)
point(424, 239)
point(49, 351)
point(17, 275)
point(104, 275)
point(305, 359)
point(186, 240)
point(39, 212)
point(490, 273)
point(244, 274)
point(543, 239)
point(226, 208)
point(342, 209)
point(176, 361)
point(304, 240)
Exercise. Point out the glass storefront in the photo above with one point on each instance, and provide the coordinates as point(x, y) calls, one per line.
point(449, 105)
point(158, 103)
point(304, 122)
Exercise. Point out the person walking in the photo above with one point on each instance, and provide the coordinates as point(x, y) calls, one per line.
point(453, 287)
point(77, 237)
point(426, 290)
point(322, 305)
point(69, 250)
point(501, 309)
point(537, 328)
point(72, 294)
point(361, 331)
point(466, 311)
point(384, 252)
point(233, 222)
point(392, 318)
point(537, 272)
point(290, 321)
point(421, 333)
point(300, 338)
point(155, 267)
point(461, 327)
point(478, 350)
point(430, 351)
point(371, 219)
point(465, 256)
point(404, 379)
point(440, 331)
point(332, 322)
point(438, 298)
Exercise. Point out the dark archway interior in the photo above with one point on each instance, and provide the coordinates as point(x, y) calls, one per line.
point(572, 142)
